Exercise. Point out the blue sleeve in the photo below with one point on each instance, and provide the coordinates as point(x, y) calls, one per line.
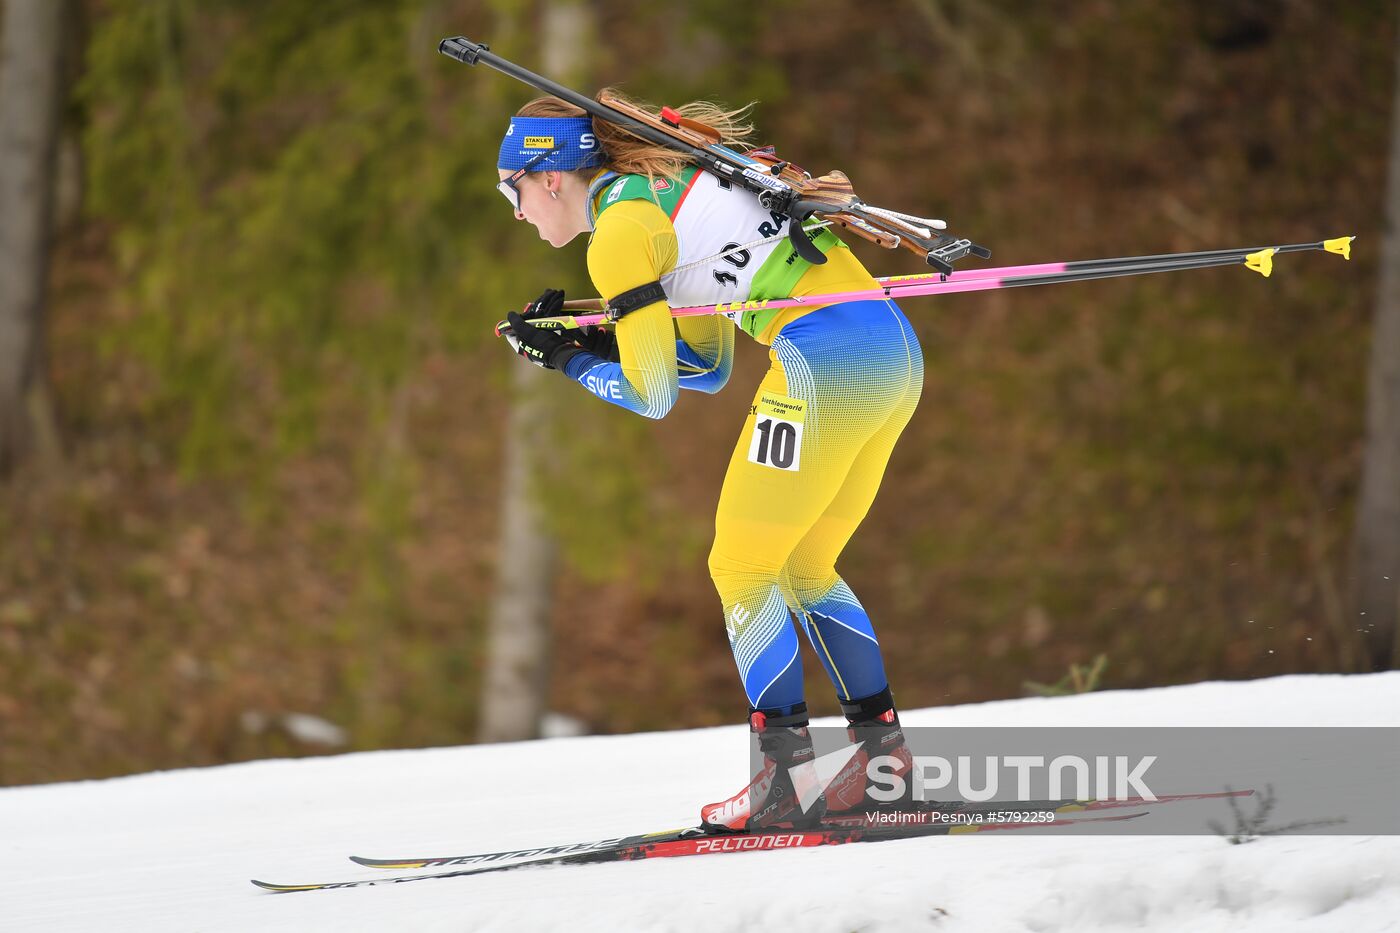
point(704, 352)
point(699, 374)
point(606, 380)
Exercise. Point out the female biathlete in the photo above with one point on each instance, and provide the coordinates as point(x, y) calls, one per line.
point(843, 383)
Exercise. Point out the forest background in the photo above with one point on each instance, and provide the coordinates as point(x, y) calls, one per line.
point(280, 411)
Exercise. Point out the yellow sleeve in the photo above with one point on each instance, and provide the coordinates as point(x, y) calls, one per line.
point(634, 244)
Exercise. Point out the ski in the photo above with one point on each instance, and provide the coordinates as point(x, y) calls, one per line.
point(1059, 806)
point(693, 841)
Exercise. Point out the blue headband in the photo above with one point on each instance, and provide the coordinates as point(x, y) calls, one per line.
point(569, 140)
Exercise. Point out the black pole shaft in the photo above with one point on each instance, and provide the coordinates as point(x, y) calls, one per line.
point(1081, 274)
point(1173, 257)
point(1103, 269)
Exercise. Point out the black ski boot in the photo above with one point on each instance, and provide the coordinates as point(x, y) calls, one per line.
point(773, 798)
point(874, 726)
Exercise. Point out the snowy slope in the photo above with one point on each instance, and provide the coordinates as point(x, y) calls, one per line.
point(175, 850)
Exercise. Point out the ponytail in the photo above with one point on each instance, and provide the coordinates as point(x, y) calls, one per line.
point(630, 155)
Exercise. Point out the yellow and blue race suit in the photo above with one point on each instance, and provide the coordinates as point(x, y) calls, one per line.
point(843, 382)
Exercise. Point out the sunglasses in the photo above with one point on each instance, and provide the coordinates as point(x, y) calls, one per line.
point(507, 185)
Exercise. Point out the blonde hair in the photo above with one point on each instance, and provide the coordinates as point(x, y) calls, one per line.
point(630, 155)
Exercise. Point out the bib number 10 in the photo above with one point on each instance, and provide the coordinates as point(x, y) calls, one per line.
point(776, 442)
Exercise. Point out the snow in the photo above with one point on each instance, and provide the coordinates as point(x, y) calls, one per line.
point(174, 850)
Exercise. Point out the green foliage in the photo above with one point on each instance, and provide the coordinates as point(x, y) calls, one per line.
point(1080, 678)
point(298, 204)
point(300, 199)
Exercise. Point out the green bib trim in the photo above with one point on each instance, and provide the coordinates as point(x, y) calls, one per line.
point(665, 193)
point(778, 276)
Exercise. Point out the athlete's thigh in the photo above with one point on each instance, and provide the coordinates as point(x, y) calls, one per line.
point(812, 561)
point(787, 466)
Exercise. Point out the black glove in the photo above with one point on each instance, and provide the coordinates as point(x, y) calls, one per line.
point(549, 304)
point(594, 338)
point(597, 340)
point(544, 345)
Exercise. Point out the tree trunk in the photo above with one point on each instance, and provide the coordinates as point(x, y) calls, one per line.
point(1378, 511)
point(31, 66)
point(516, 685)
